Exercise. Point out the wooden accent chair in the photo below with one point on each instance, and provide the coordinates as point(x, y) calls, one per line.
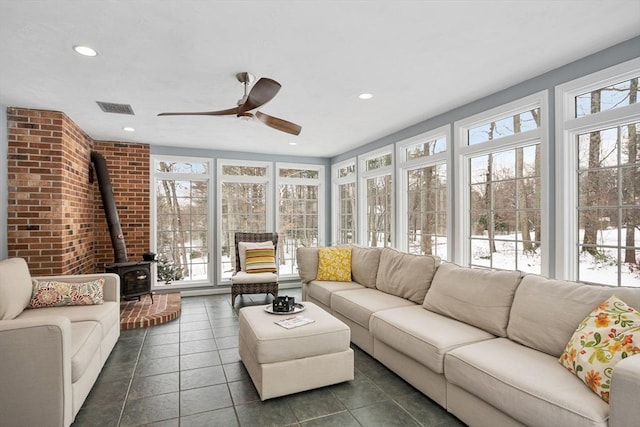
point(253, 283)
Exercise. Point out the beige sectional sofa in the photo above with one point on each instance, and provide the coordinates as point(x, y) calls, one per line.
point(51, 357)
point(482, 344)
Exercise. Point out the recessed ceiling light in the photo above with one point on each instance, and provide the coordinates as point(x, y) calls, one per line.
point(128, 129)
point(365, 96)
point(85, 50)
point(293, 143)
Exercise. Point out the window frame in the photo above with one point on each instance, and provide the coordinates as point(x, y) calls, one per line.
point(568, 127)
point(404, 166)
point(267, 179)
point(336, 182)
point(210, 178)
point(363, 175)
point(463, 152)
point(320, 182)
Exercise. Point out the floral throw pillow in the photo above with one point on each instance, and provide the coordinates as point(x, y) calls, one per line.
point(609, 334)
point(334, 264)
point(51, 293)
point(260, 260)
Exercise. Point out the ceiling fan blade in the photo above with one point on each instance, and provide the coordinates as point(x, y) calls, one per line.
point(279, 124)
point(229, 112)
point(262, 92)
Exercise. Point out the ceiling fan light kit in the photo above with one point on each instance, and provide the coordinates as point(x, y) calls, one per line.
point(262, 92)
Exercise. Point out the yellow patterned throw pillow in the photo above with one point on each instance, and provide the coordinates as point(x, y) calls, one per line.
point(609, 334)
point(334, 264)
point(260, 260)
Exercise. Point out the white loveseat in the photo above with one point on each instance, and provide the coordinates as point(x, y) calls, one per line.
point(51, 357)
point(482, 344)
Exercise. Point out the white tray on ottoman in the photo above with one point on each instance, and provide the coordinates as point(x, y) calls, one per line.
point(283, 361)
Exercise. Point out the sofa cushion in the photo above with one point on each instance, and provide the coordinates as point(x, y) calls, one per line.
point(478, 297)
point(608, 334)
point(334, 264)
point(15, 287)
point(244, 278)
point(364, 265)
point(357, 305)
point(107, 314)
point(52, 293)
point(322, 290)
point(529, 386)
point(260, 260)
point(546, 313)
point(423, 335)
point(85, 346)
point(406, 275)
point(307, 263)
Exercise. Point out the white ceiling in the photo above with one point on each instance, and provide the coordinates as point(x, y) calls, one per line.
point(418, 58)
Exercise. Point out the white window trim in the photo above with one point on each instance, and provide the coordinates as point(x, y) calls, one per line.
point(155, 176)
point(336, 182)
point(567, 129)
point(404, 166)
point(304, 181)
point(221, 178)
point(463, 152)
point(363, 175)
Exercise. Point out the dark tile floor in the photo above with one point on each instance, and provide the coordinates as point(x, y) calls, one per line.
point(188, 373)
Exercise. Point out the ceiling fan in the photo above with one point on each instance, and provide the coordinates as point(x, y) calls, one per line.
point(262, 92)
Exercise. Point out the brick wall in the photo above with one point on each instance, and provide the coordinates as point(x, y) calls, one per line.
point(128, 166)
point(55, 216)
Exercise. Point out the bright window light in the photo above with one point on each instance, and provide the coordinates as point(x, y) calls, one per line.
point(85, 50)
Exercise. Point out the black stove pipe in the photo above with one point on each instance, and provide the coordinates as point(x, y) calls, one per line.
point(110, 210)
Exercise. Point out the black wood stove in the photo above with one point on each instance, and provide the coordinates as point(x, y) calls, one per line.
point(135, 276)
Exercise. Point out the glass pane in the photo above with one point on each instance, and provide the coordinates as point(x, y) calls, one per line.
point(598, 188)
point(528, 161)
point(182, 218)
point(480, 169)
point(607, 98)
point(595, 224)
point(597, 264)
point(182, 167)
point(346, 171)
point(232, 170)
point(521, 122)
point(426, 148)
point(378, 162)
point(502, 165)
point(298, 219)
point(505, 255)
point(298, 173)
point(630, 185)
point(630, 273)
point(379, 193)
point(598, 149)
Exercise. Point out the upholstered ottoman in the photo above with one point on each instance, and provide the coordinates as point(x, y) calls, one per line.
point(283, 361)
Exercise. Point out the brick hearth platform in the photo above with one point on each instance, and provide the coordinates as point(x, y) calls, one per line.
point(141, 314)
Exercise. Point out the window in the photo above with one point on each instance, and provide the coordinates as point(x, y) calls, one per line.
point(599, 195)
point(344, 189)
point(502, 193)
point(245, 206)
point(300, 202)
point(377, 182)
point(182, 221)
point(423, 188)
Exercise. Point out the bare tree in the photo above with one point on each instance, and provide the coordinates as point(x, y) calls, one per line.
point(632, 181)
point(590, 217)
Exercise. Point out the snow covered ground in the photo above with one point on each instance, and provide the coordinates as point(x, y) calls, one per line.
point(603, 270)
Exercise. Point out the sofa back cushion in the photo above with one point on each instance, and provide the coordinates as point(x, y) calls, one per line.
point(405, 275)
point(546, 312)
point(364, 265)
point(307, 263)
point(481, 298)
point(15, 287)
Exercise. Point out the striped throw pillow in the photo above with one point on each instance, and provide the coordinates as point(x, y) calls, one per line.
point(261, 260)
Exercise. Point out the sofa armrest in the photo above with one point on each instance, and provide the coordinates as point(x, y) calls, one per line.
point(625, 389)
point(111, 282)
point(307, 263)
point(35, 371)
